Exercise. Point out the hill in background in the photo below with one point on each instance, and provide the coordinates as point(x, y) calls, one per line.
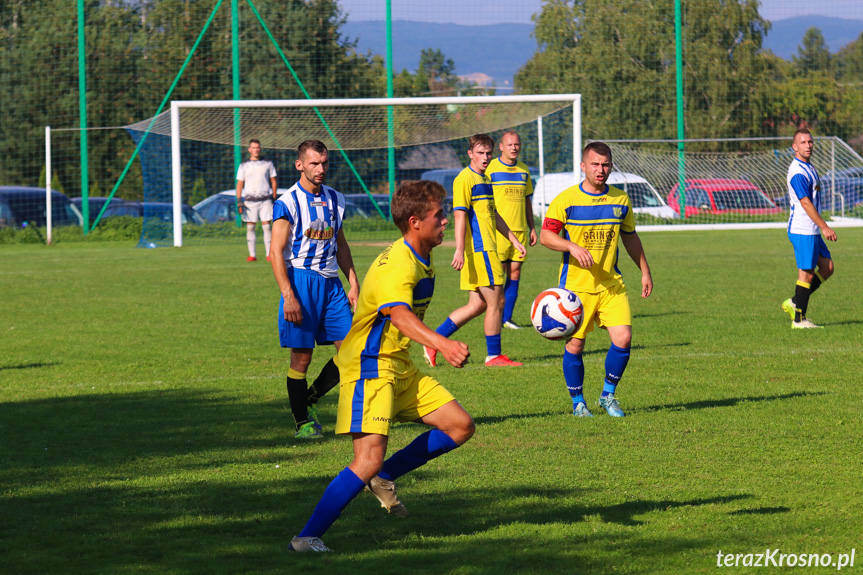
point(499, 50)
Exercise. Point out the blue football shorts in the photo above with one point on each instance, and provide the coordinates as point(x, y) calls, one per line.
point(326, 311)
point(807, 250)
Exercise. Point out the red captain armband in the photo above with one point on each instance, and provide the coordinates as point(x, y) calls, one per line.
point(552, 225)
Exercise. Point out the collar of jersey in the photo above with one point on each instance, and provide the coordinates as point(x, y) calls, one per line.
point(796, 159)
point(424, 261)
point(581, 187)
point(475, 172)
point(500, 159)
point(299, 185)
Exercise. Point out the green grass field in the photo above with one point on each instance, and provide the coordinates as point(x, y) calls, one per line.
point(144, 425)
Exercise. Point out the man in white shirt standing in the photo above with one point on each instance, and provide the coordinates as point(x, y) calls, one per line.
point(256, 192)
point(805, 227)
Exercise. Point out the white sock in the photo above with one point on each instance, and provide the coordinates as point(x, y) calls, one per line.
point(268, 235)
point(250, 240)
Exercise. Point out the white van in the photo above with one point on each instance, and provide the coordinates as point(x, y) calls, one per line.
point(645, 198)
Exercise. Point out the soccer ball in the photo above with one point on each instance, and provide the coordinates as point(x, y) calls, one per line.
point(556, 313)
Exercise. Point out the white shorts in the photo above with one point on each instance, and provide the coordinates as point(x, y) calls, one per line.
point(258, 210)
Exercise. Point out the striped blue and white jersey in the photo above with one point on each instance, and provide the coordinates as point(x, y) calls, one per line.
point(803, 182)
point(315, 223)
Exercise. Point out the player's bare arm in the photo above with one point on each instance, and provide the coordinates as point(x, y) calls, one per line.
point(528, 212)
point(633, 246)
point(813, 214)
point(503, 228)
point(552, 240)
point(346, 264)
point(406, 321)
point(281, 233)
point(274, 187)
point(460, 232)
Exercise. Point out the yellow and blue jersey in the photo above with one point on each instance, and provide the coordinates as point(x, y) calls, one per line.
point(594, 222)
point(374, 347)
point(473, 194)
point(512, 187)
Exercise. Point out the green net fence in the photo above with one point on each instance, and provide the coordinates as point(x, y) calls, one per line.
point(748, 69)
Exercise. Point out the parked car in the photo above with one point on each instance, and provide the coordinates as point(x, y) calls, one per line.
point(722, 195)
point(95, 204)
point(446, 177)
point(164, 211)
point(222, 207)
point(645, 198)
point(19, 204)
point(849, 183)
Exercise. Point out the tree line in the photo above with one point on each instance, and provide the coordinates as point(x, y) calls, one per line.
point(618, 53)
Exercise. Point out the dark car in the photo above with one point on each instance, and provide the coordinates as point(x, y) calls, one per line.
point(217, 208)
point(95, 205)
point(19, 204)
point(848, 183)
point(364, 206)
point(722, 195)
point(163, 211)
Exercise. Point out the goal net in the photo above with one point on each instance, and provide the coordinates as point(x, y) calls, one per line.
point(189, 155)
point(745, 183)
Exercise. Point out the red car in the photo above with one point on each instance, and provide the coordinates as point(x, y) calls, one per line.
point(721, 196)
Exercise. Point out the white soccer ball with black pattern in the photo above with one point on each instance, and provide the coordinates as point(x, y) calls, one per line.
point(556, 313)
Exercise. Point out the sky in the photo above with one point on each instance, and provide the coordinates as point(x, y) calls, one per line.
point(520, 11)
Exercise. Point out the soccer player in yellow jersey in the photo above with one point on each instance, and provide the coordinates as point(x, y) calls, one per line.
point(512, 191)
point(379, 382)
point(593, 216)
point(476, 223)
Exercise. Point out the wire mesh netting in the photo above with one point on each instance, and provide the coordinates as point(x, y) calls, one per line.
point(748, 68)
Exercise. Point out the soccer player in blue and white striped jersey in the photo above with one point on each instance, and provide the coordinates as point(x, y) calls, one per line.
point(805, 227)
point(308, 249)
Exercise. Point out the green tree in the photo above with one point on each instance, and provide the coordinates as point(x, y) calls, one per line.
point(620, 56)
point(813, 54)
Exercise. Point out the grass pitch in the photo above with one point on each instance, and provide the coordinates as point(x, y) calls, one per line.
point(144, 425)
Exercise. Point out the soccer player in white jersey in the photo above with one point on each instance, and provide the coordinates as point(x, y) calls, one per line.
point(256, 192)
point(513, 188)
point(309, 248)
point(805, 227)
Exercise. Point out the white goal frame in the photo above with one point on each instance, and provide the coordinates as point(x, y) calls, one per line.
point(176, 174)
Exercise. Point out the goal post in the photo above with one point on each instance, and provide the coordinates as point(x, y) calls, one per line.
point(347, 125)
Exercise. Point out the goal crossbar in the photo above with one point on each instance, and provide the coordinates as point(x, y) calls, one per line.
point(176, 106)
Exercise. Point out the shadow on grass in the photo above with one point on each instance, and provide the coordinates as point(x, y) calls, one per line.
point(490, 419)
point(662, 314)
point(761, 511)
point(197, 482)
point(30, 365)
point(601, 351)
point(728, 402)
point(846, 322)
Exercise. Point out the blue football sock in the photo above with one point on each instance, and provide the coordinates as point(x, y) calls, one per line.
point(615, 364)
point(492, 343)
point(573, 373)
point(510, 293)
point(431, 444)
point(447, 328)
point(336, 497)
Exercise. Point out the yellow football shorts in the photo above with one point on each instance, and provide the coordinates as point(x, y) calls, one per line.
point(372, 405)
point(481, 269)
point(606, 308)
point(506, 252)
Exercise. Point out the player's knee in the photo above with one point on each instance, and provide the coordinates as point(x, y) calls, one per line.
point(265, 226)
point(623, 340)
point(462, 429)
point(826, 270)
point(367, 466)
